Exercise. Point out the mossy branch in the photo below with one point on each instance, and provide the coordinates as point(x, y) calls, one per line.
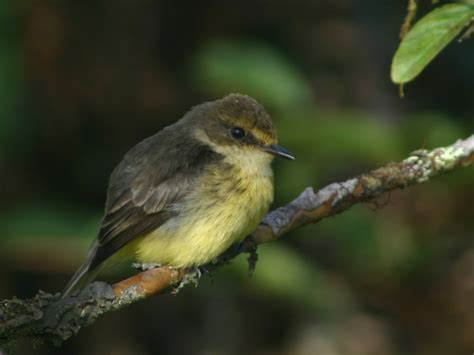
point(47, 317)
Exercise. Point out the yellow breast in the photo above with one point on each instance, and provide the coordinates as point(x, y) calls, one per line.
point(226, 206)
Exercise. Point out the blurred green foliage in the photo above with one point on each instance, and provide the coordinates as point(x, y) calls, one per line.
point(11, 106)
point(254, 68)
point(48, 219)
point(78, 87)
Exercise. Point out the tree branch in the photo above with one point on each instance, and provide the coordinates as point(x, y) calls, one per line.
point(48, 317)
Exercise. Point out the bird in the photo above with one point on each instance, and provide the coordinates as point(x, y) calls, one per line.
point(184, 195)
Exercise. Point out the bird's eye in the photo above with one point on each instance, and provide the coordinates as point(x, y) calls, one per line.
point(237, 132)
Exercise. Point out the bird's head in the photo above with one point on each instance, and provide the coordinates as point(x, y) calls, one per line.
point(237, 125)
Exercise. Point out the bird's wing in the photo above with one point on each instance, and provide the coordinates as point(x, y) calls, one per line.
point(143, 187)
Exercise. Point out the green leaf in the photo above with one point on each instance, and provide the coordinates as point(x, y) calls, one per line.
point(253, 68)
point(427, 38)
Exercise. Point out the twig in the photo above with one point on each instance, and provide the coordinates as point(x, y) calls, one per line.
point(47, 317)
point(410, 16)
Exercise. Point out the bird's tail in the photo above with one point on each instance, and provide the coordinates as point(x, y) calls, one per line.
point(84, 275)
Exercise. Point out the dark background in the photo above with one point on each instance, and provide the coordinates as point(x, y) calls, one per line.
point(81, 82)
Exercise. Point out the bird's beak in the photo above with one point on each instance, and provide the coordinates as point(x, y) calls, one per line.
point(278, 151)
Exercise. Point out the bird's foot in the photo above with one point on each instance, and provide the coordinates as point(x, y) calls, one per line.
point(252, 260)
point(249, 246)
point(191, 277)
point(145, 266)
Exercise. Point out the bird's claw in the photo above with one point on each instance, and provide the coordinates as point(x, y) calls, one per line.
point(249, 246)
point(252, 260)
point(145, 266)
point(191, 277)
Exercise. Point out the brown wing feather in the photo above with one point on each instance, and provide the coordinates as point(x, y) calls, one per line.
point(144, 185)
point(133, 223)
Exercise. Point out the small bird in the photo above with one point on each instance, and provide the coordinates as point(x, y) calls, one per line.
point(184, 195)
